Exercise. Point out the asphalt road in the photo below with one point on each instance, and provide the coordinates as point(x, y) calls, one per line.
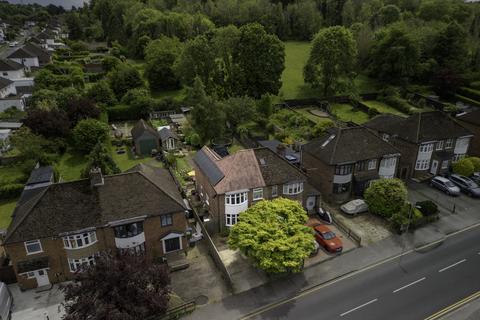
point(415, 287)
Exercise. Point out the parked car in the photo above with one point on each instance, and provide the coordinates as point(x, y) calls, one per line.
point(327, 238)
point(476, 177)
point(467, 185)
point(445, 185)
point(354, 207)
point(6, 302)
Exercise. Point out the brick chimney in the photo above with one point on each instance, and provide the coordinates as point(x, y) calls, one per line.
point(96, 177)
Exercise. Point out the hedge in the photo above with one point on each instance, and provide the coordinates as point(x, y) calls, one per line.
point(469, 93)
point(397, 103)
point(11, 190)
point(467, 100)
point(475, 85)
point(427, 207)
point(122, 113)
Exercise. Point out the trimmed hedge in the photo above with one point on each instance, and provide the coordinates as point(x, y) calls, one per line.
point(122, 113)
point(469, 93)
point(11, 190)
point(397, 103)
point(467, 100)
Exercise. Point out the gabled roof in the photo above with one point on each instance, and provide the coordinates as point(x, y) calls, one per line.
point(4, 82)
point(245, 169)
point(140, 127)
point(44, 35)
point(471, 117)
point(22, 53)
point(275, 144)
point(10, 65)
point(29, 50)
point(72, 206)
point(419, 127)
point(166, 133)
point(348, 145)
point(40, 175)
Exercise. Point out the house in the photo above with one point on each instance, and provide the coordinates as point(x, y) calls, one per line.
point(60, 227)
point(428, 141)
point(178, 121)
point(11, 70)
point(345, 160)
point(31, 56)
point(169, 139)
point(230, 185)
point(471, 121)
point(7, 88)
point(145, 138)
point(9, 97)
point(10, 125)
point(288, 153)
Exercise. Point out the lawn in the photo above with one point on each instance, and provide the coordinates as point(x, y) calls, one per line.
point(345, 112)
point(128, 160)
point(71, 164)
point(383, 107)
point(10, 173)
point(310, 116)
point(6, 210)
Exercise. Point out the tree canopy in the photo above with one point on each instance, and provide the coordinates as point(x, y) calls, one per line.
point(88, 132)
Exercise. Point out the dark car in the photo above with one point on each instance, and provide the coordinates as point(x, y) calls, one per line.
point(467, 185)
point(445, 185)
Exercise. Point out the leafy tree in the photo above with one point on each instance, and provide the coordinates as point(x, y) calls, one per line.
point(100, 92)
point(110, 63)
point(100, 157)
point(331, 60)
point(87, 133)
point(30, 146)
point(208, 120)
point(118, 287)
point(141, 45)
point(65, 95)
point(386, 197)
point(260, 60)
point(476, 163)
point(389, 14)
point(48, 123)
point(464, 167)
point(124, 78)
point(304, 19)
point(273, 234)
point(348, 13)
point(140, 101)
point(224, 41)
point(196, 94)
point(74, 24)
point(82, 108)
point(161, 55)
point(240, 110)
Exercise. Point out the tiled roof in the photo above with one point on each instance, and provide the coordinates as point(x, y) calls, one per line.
point(346, 145)
point(4, 82)
point(166, 133)
point(140, 127)
point(40, 175)
point(419, 127)
point(76, 205)
point(9, 65)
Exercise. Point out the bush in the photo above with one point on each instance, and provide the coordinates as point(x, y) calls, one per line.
point(386, 197)
point(427, 208)
point(476, 163)
point(463, 167)
point(11, 190)
point(372, 112)
point(87, 133)
point(469, 93)
point(122, 113)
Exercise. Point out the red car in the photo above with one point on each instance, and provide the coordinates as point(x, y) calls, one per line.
point(327, 238)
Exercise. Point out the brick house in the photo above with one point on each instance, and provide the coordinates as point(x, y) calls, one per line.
point(471, 121)
point(232, 184)
point(428, 141)
point(344, 161)
point(57, 227)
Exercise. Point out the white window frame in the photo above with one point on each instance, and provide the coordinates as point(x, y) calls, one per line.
point(77, 263)
point(71, 241)
point(293, 188)
point(257, 194)
point(440, 145)
point(166, 217)
point(172, 235)
point(372, 164)
point(445, 164)
point(27, 243)
point(235, 199)
point(449, 144)
point(385, 137)
point(458, 156)
point(231, 219)
point(422, 164)
point(274, 191)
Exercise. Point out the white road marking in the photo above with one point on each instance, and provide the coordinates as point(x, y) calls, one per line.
point(356, 308)
point(408, 285)
point(452, 265)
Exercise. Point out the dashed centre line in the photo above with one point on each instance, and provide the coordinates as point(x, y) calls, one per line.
point(452, 265)
point(408, 285)
point(360, 306)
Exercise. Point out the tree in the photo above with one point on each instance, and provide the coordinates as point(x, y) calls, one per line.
point(240, 110)
point(87, 133)
point(208, 120)
point(260, 59)
point(48, 123)
point(124, 78)
point(389, 14)
point(161, 55)
point(100, 157)
point(101, 93)
point(464, 167)
point(74, 24)
point(196, 94)
point(386, 197)
point(81, 108)
point(332, 59)
point(476, 163)
point(30, 146)
point(273, 234)
point(140, 101)
point(118, 287)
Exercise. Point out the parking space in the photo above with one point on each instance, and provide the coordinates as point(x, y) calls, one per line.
point(32, 305)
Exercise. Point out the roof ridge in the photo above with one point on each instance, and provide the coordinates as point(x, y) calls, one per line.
point(158, 187)
point(337, 139)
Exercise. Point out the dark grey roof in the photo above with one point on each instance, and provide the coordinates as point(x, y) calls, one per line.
point(211, 170)
point(4, 82)
point(9, 65)
point(30, 50)
point(41, 175)
point(273, 145)
point(21, 53)
point(276, 170)
point(24, 90)
point(166, 133)
point(347, 145)
point(10, 125)
point(76, 205)
point(140, 127)
point(471, 117)
point(419, 127)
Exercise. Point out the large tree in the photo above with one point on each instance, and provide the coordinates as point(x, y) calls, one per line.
point(122, 287)
point(160, 56)
point(332, 60)
point(273, 234)
point(260, 60)
point(48, 123)
point(123, 78)
point(87, 133)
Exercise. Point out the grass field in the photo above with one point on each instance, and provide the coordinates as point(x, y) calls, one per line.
point(128, 160)
point(71, 165)
point(383, 108)
point(293, 86)
point(10, 173)
point(6, 210)
point(345, 112)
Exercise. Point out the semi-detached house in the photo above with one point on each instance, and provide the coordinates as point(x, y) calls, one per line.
point(429, 141)
point(58, 227)
point(230, 185)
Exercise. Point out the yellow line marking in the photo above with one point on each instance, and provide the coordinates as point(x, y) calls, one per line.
point(454, 306)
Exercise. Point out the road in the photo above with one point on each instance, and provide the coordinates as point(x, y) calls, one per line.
point(415, 287)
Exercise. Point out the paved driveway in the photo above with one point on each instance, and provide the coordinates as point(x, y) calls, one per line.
point(30, 305)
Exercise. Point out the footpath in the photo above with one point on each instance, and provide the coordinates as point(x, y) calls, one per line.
point(240, 305)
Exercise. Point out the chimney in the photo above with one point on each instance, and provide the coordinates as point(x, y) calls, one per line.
point(96, 177)
point(281, 149)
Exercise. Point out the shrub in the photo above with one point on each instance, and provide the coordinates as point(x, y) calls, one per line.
point(10, 190)
point(476, 163)
point(122, 113)
point(427, 208)
point(372, 112)
point(87, 133)
point(469, 93)
point(386, 197)
point(463, 167)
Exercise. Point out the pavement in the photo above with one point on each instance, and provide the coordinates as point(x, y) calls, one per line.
point(470, 311)
point(32, 305)
point(467, 214)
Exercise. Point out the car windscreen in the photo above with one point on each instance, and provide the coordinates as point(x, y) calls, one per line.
point(328, 235)
point(449, 184)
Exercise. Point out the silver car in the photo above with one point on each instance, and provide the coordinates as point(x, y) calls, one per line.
point(445, 185)
point(354, 207)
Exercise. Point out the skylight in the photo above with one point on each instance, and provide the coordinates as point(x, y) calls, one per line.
point(328, 140)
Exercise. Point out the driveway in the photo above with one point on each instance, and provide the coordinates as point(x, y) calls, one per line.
point(32, 305)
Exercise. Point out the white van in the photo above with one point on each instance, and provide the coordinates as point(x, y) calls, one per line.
point(6, 302)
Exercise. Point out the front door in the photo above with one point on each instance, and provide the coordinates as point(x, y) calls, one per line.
point(42, 278)
point(434, 168)
point(311, 203)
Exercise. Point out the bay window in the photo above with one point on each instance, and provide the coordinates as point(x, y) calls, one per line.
point(236, 198)
point(129, 230)
point(79, 240)
point(293, 188)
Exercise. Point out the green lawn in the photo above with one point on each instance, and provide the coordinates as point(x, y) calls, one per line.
point(365, 84)
point(383, 108)
point(10, 173)
point(71, 164)
point(310, 116)
point(128, 160)
point(6, 210)
point(345, 112)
